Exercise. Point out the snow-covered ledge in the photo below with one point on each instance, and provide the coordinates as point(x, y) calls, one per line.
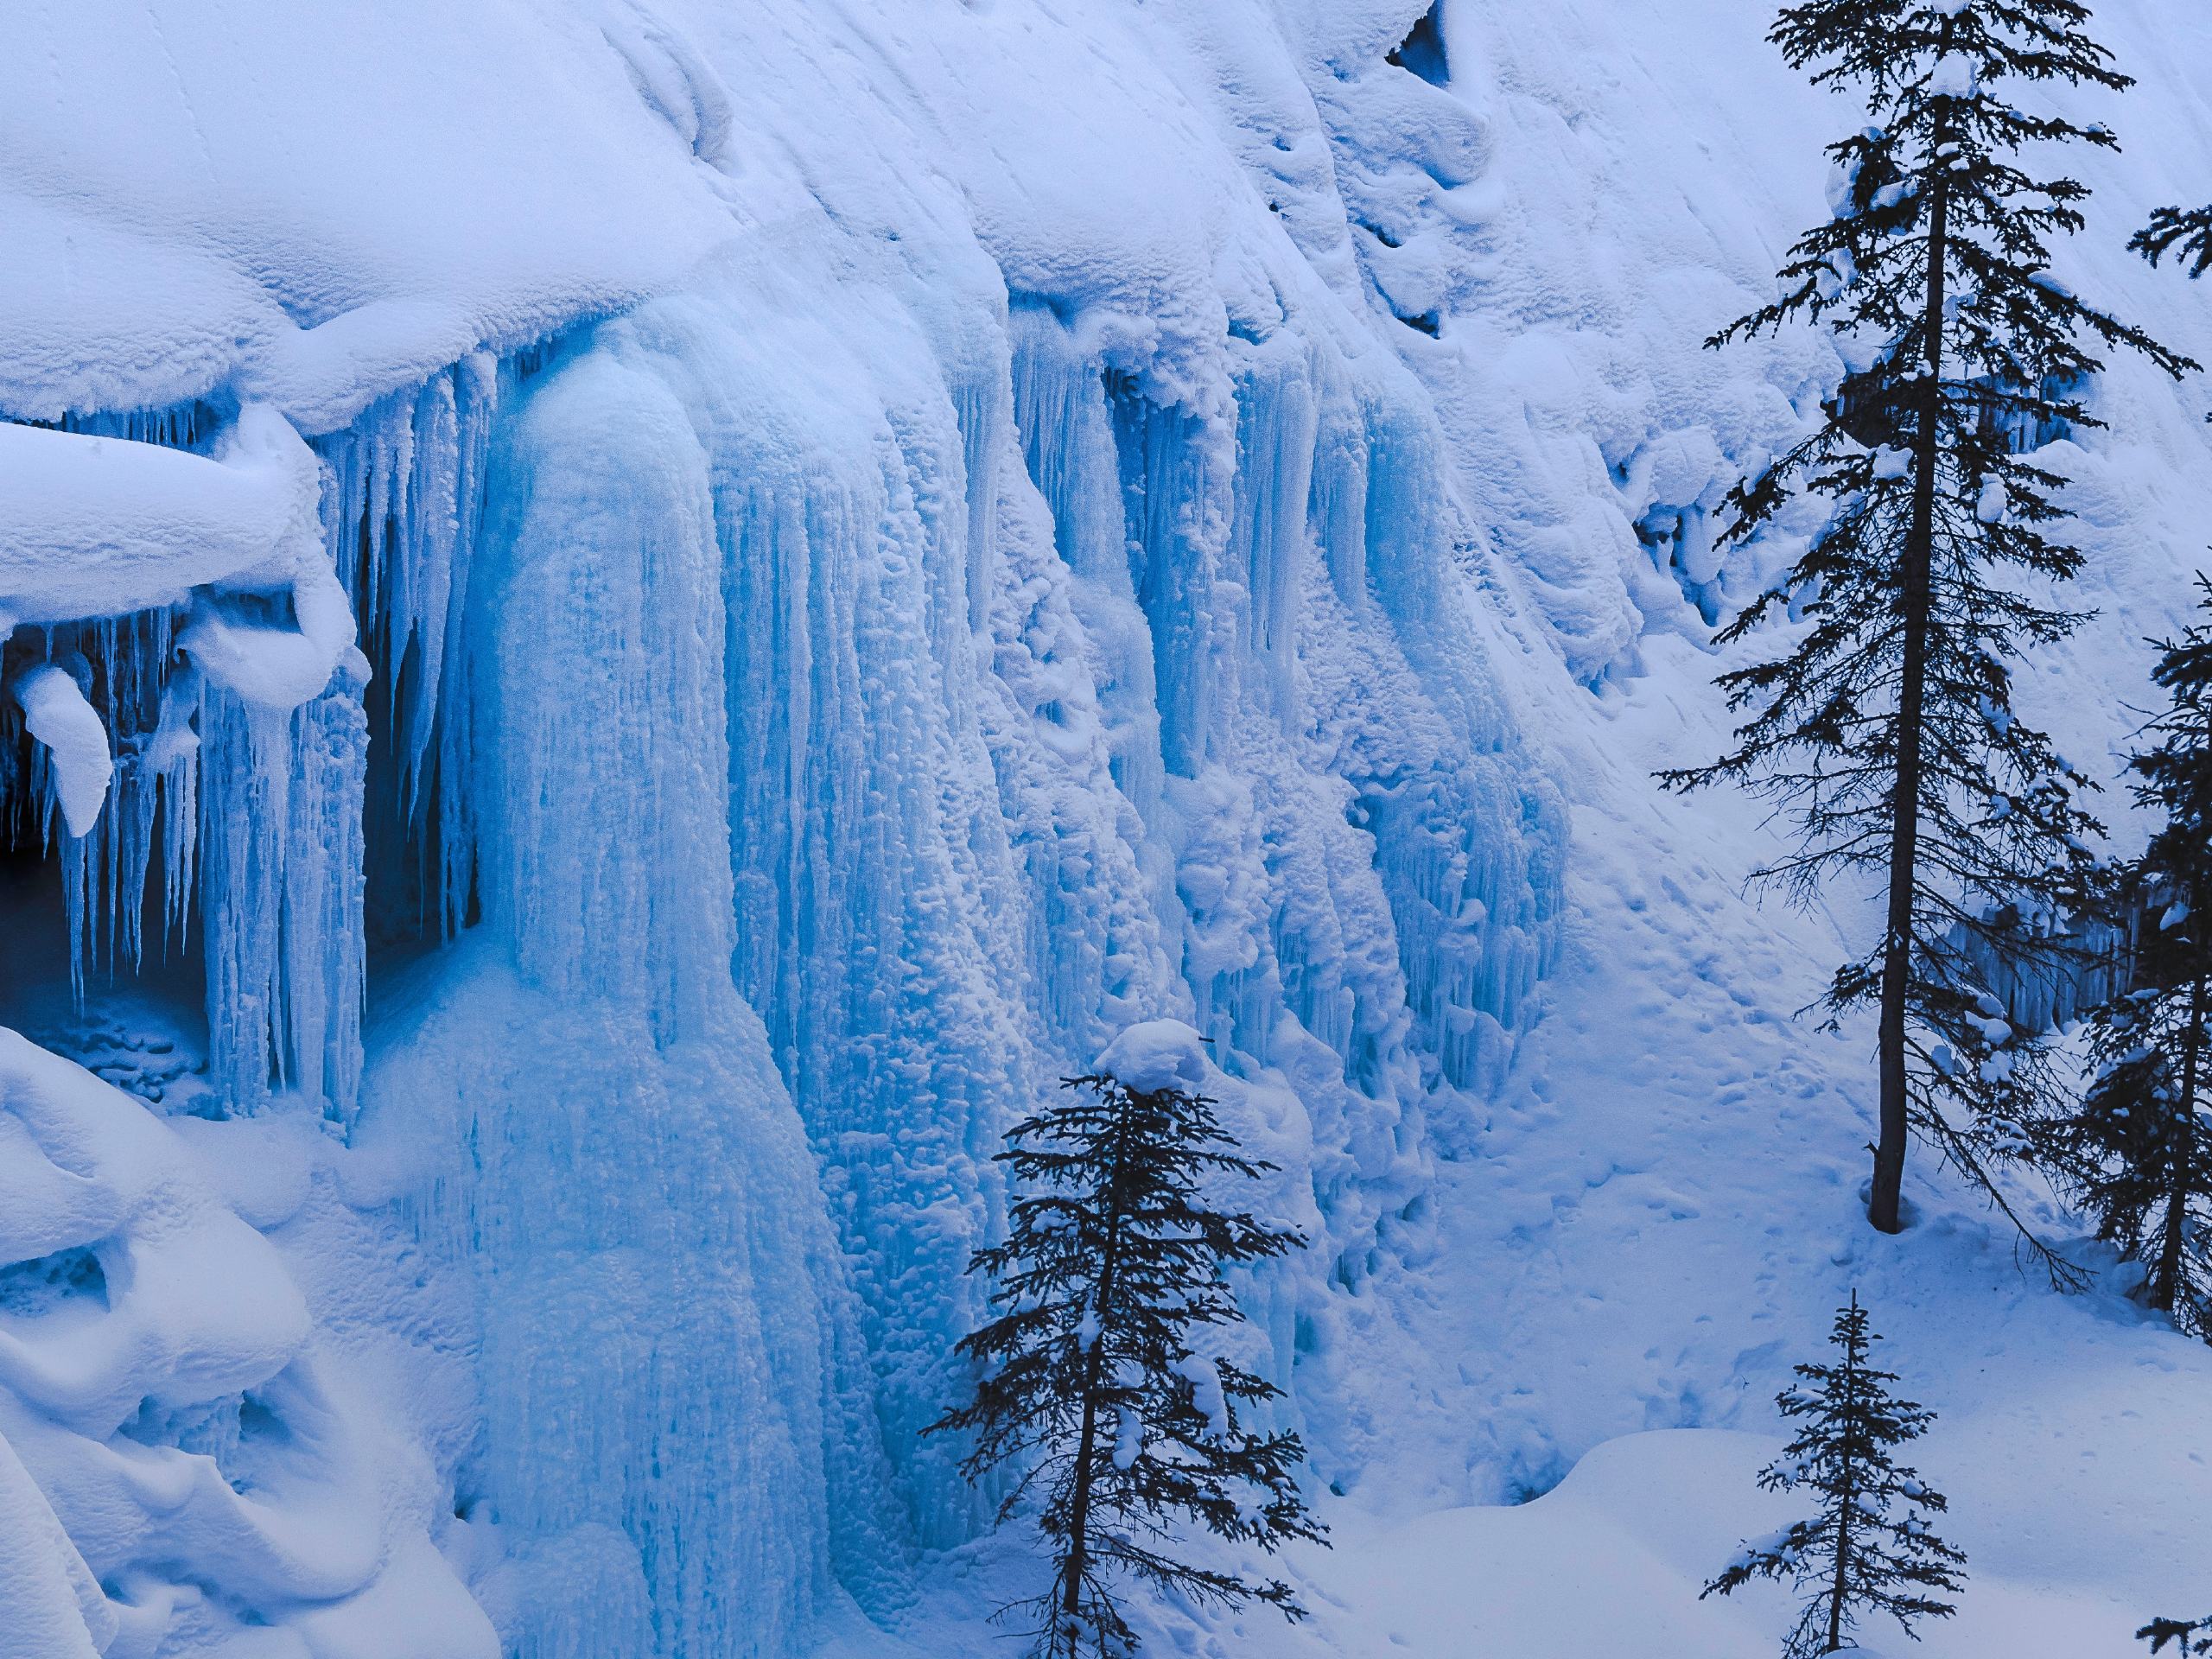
point(94, 527)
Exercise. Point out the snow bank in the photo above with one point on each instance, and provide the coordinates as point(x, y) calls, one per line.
point(161, 1384)
point(1614, 1558)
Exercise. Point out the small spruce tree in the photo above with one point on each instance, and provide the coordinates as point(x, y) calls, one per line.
point(1886, 731)
point(1090, 1390)
point(1857, 1555)
point(2136, 1154)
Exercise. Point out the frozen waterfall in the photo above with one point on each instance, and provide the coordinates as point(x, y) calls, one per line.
point(876, 755)
point(594, 825)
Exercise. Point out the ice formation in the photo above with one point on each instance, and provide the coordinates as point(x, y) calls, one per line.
point(801, 715)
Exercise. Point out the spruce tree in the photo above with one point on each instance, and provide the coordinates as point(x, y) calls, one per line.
point(2136, 1152)
point(1886, 731)
point(1870, 1549)
point(1119, 1431)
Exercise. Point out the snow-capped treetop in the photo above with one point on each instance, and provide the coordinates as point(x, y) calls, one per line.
point(1871, 1548)
point(1155, 1054)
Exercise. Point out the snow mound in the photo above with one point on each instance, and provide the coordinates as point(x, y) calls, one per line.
point(1613, 1561)
point(163, 1387)
point(1155, 1054)
point(49, 1605)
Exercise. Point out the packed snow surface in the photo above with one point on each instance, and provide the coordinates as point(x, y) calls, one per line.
point(761, 584)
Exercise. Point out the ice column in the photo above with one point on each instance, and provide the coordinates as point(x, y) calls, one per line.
point(666, 1361)
point(279, 848)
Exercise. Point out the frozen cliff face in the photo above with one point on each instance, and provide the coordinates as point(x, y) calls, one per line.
point(910, 551)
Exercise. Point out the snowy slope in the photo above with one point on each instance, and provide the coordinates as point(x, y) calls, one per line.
point(885, 544)
point(1665, 1208)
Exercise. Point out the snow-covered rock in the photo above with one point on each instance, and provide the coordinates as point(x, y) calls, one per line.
point(163, 1381)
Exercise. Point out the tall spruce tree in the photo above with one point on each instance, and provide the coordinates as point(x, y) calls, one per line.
point(1886, 731)
point(2137, 1152)
point(1089, 1388)
point(1870, 1549)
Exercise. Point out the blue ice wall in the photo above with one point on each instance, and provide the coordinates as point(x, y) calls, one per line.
point(1017, 704)
point(790, 737)
point(667, 1352)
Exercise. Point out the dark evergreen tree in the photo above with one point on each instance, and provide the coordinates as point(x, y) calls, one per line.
point(1870, 1549)
point(1119, 1432)
point(2137, 1152)
point(2189, 1636)
point(1886, 731)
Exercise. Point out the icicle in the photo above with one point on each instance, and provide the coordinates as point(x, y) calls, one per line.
point(118, 665)
point(406, 502)
point(245, 769)
point(1269, 539)
point(325, 966)
point(1176, 493)
point(280, 893)
point(170, 763)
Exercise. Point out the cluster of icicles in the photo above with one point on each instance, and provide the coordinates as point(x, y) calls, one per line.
point(193, 783)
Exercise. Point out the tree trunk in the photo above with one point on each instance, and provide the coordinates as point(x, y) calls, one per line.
point(1884, 1198)
point(1087, 1439)
point(1837, 1591)
point(2181, 1162)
